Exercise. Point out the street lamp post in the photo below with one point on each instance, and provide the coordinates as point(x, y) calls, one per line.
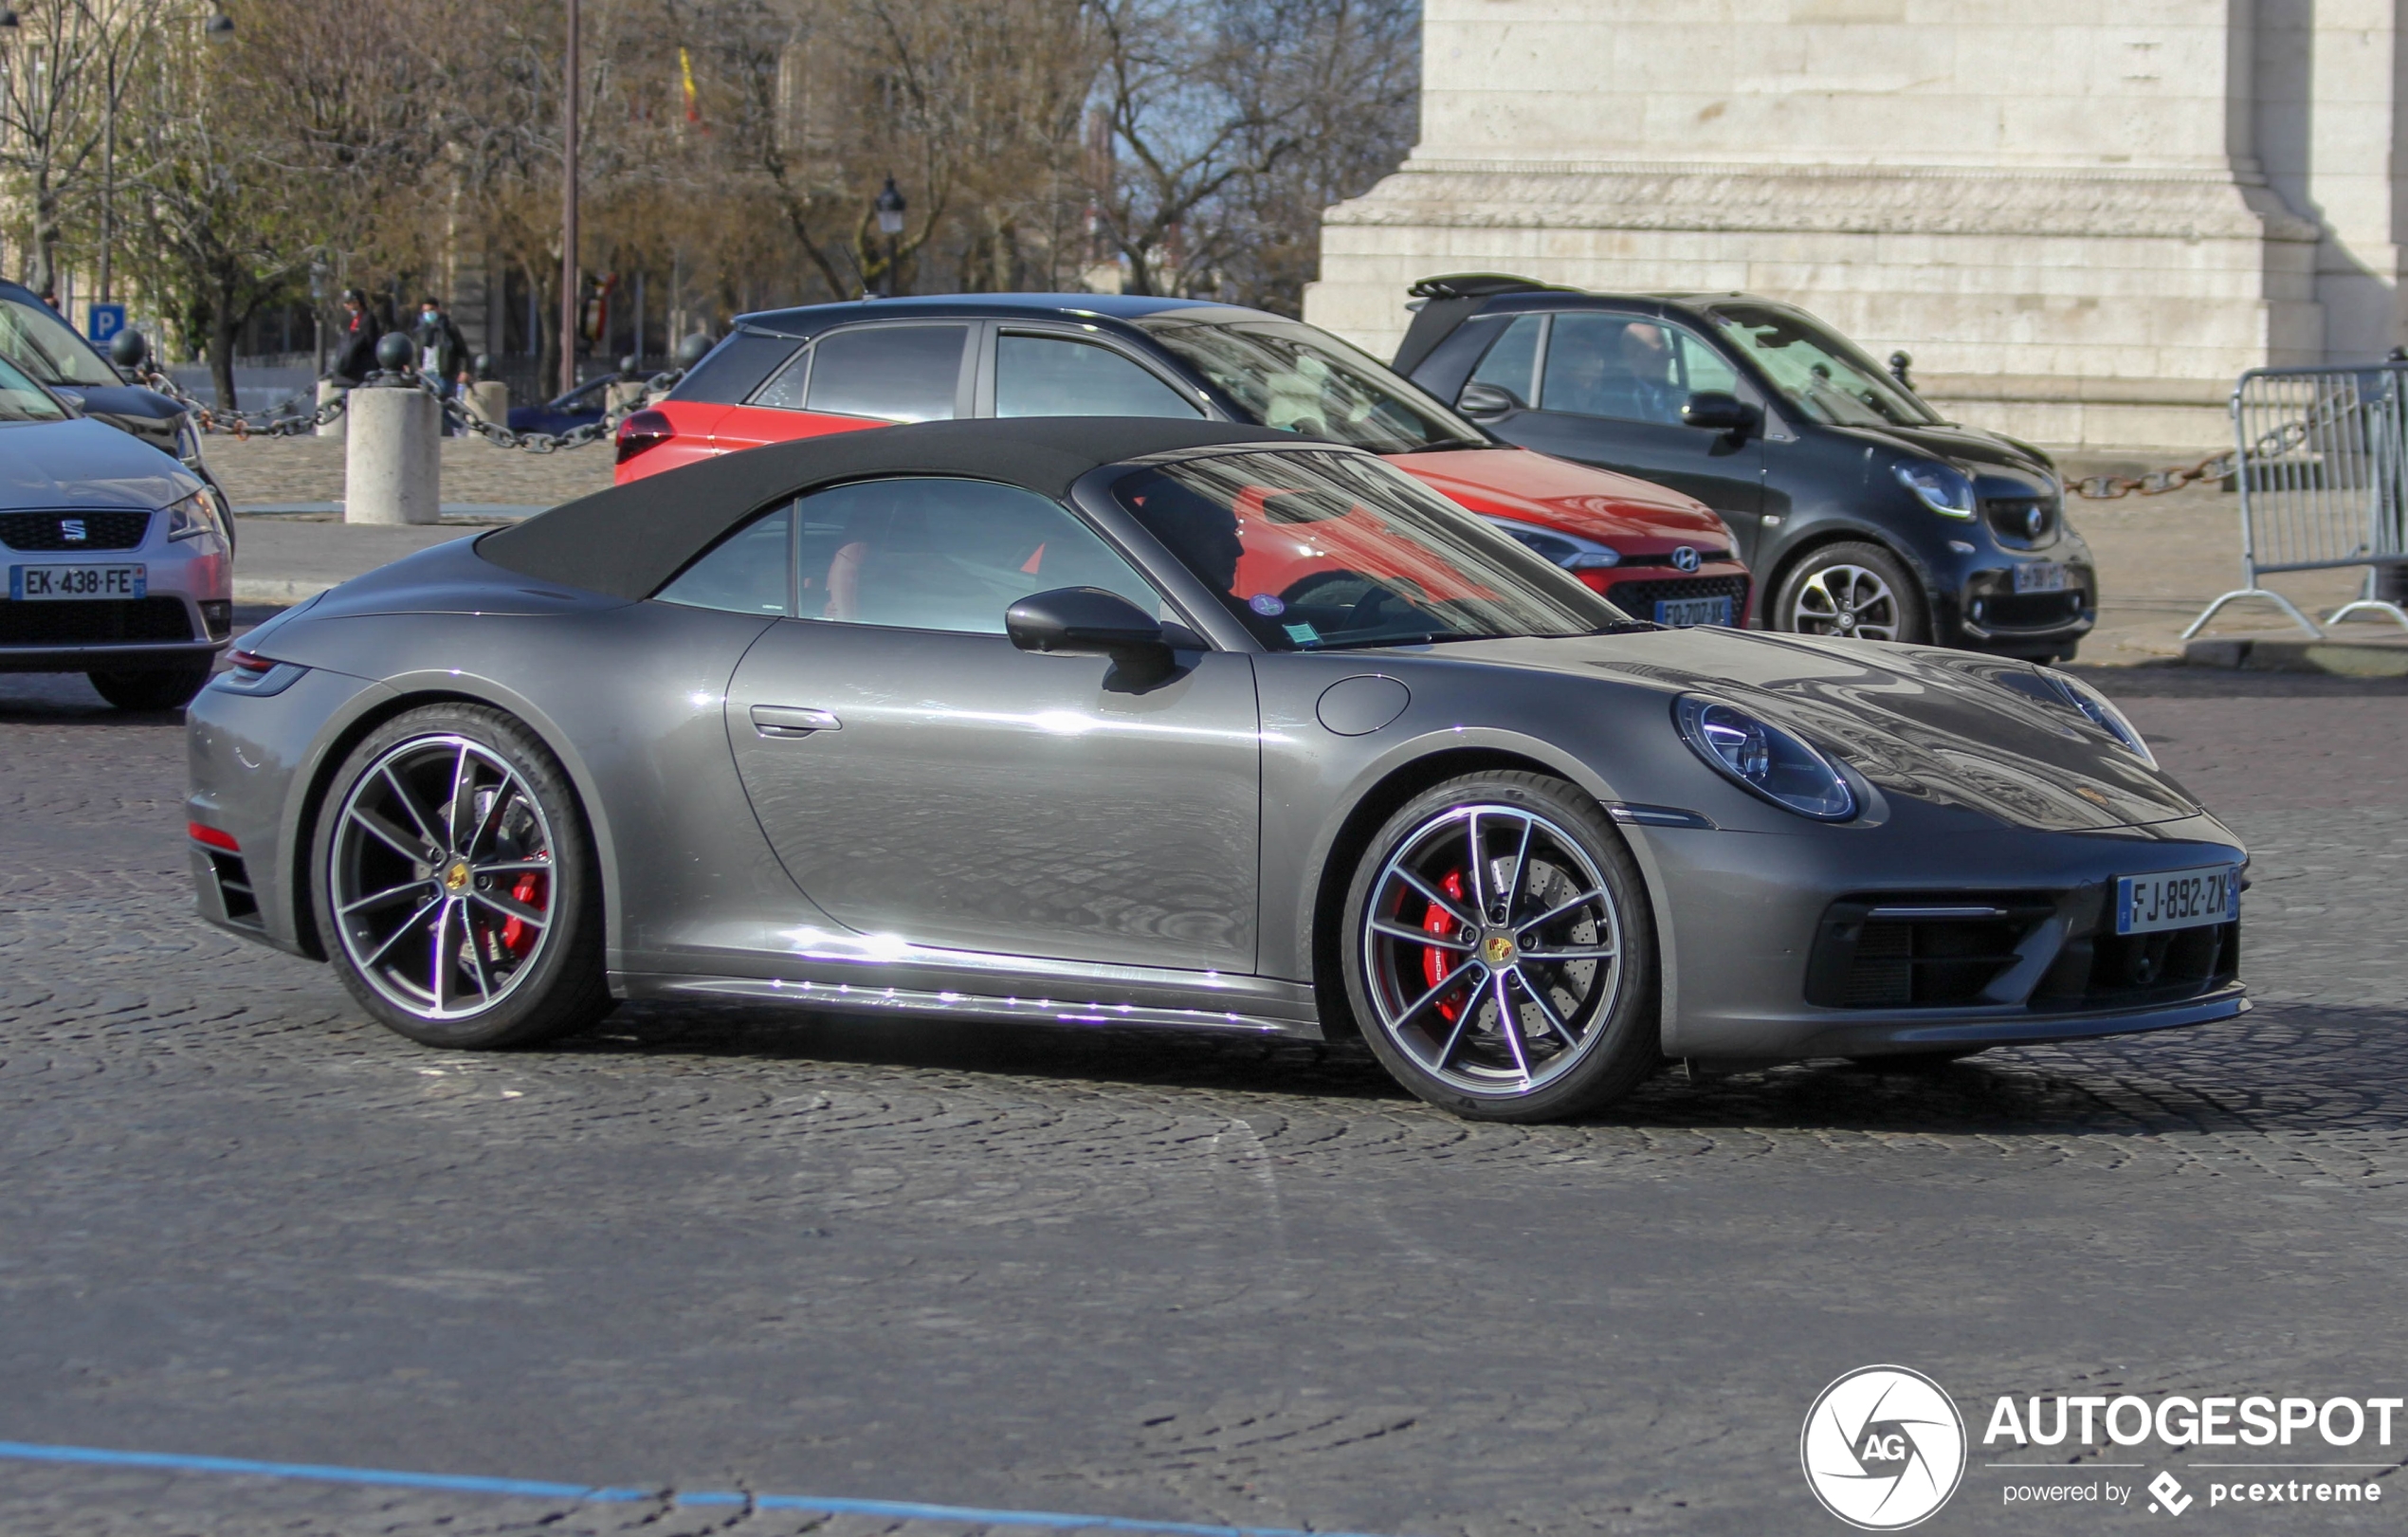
point(890, 222)
point(569, 212)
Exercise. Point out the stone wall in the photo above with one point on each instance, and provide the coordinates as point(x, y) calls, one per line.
point(2058, 208)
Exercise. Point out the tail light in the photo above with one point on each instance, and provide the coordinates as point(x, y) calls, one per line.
point(202, 832)
point(250, 662)
point(644, 430)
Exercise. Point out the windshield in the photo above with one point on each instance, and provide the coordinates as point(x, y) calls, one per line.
point(40, 343)
point(1291, 376)
point(1315, 550)
point(1821, 373)
point(21, 400)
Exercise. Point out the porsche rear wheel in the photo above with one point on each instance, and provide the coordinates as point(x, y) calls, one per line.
point(1499, 952)
point(457, 889)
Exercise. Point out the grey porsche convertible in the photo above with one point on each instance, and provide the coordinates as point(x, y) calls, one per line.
point(1145, 722)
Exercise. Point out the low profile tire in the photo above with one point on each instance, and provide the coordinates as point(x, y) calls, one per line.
point(456, 884)
point(1499, 952)
point(1853, 590)
point(153, 689)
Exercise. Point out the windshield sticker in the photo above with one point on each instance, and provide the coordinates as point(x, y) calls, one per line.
point(1303, 634)
point(1267, 604)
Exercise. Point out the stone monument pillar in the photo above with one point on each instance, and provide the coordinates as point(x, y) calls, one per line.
point(2082, 220)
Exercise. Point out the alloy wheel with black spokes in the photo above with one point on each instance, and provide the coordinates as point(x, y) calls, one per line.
point(457, 892)
point(1856, 591)
point(1499, 955)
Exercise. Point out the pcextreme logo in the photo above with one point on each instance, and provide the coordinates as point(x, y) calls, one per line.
point(1882, 1447)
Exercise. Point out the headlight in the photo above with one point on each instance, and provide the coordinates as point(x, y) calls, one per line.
point(1569, 551)
point(1942, 490)
point(1766, 758)
point(2100, 712)
point(194, 516)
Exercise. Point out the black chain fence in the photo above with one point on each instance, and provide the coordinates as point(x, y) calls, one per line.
point(286, 424)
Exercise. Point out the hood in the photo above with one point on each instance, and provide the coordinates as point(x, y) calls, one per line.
point(51, 466)
point(1983, 453)
point(1950, 728)
point(1633, 516)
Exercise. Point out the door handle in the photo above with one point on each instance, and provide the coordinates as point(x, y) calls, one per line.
point(793, 720)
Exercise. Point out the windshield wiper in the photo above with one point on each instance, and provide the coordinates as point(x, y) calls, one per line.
point(1450, 448)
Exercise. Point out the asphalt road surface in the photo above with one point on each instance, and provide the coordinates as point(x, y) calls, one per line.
point(750, 1256)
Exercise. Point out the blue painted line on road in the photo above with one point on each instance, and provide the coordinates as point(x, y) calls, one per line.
point(538, 1488)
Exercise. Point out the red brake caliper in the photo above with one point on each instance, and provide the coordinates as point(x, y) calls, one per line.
point(1436, 962)
point(516, 936)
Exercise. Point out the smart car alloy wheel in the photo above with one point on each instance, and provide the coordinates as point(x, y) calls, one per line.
point(1492, 954)
point(1855, 591)
point(450, 884)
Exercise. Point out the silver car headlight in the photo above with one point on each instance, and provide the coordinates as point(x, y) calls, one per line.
point(1764, 758)
point(196, 515)
point(1940, 488)
point(2100, 711)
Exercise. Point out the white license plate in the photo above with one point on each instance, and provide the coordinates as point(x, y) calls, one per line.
point(1680, 612)
point(59, 584)
point(2178, 898)
point(2041, 576)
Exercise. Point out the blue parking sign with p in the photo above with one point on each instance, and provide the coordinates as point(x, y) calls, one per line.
point(103, 321)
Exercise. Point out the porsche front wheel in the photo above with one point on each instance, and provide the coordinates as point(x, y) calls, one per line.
point(457, 889)
point(1499, 952)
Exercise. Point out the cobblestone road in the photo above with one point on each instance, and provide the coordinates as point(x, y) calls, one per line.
point(1153, 1277)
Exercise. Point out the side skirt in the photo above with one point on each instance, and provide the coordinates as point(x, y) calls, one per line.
point(1068, 1009)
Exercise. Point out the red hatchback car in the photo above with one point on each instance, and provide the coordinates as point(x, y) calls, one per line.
point(838, 368)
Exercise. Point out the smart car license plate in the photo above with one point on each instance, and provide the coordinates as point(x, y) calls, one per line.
point(57, 584)
point(2041, 576)
point(1680, 612)
point(2178, 898)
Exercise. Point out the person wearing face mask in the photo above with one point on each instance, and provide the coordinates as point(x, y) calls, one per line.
point(443, 354)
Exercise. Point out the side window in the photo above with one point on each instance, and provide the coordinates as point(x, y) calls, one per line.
point(745, 572)
point(735, 368)
point(1058, 376)
point(898, 373)
point(1703, 368)
point(784, 392)
point(1512, 363)
point(1628, 369)
point(942, 554)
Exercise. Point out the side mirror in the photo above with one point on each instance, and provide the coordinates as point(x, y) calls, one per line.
point(1479, 401)
point(1088, 621)
point(1712, 411)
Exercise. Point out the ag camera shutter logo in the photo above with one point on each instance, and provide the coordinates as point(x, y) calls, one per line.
point(1882, 1447)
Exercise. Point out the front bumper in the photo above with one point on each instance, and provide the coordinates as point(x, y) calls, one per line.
point(1748, 924)
point(184, 620)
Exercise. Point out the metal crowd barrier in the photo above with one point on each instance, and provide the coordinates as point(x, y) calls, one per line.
point(2321, 469)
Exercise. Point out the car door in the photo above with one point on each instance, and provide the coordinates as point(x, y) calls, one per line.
point(1606, 387)
point(922, 777)
point(858, 376)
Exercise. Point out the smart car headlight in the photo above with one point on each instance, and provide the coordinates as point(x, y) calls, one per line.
point(195, 516)
point(2096, 708)
point(1940, 488)
point(1764, 758)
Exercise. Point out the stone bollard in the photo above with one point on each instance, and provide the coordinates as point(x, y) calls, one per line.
point(622, 396)
point(490, 399)
point(393, 457)
point(329, 390)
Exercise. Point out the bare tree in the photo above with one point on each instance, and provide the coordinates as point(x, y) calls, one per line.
point(60, 80)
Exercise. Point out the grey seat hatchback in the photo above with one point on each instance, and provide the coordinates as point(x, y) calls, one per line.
point(1861, 512)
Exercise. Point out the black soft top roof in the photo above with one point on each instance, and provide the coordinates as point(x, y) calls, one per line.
point(628, 540)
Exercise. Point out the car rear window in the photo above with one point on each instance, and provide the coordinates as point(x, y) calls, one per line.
point(735, 368)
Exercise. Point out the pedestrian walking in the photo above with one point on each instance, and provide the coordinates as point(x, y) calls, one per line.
point(443, 354)
point(361, 330)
